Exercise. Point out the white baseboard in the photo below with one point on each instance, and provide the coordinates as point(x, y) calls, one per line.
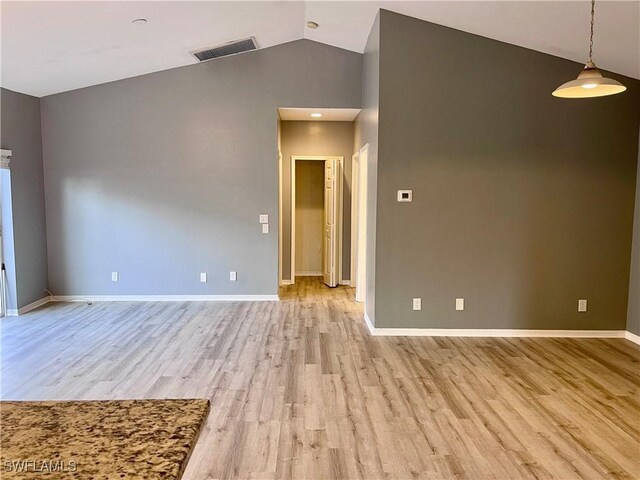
point(632, 337)
point(370, 327)
point(165, 298)
point(345, 282)
point(495, 332)
point(287, 282)
point(27, 308)
point(308, 273)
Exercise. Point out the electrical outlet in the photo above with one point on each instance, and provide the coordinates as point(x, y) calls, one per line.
point(582, 305)
point(459, 303)
point(405, 195)
point(265, 228)
point(233, 276)
point(417, 304)
point(203, 277)
point(114, 276)
point(264, 218)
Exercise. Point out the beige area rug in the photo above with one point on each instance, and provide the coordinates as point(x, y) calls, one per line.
point(99, 440)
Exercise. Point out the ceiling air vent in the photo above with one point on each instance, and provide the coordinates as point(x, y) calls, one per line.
point(231, 48)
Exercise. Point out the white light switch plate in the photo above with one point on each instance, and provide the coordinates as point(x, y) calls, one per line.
point(459, 303)
point(417, 304)
point(233, 276)
point(114, 276)
point(264, 218)
point(203, 277)
point(582, 305)
point(265, 228)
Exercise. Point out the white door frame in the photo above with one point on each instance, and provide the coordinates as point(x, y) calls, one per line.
point(321, 158)
point(279, 217)
point(361, 249)
point(355, 185)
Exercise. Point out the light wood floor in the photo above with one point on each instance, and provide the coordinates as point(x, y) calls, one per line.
point(300, 390)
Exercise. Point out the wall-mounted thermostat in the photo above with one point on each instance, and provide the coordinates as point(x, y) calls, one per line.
point(405, 195)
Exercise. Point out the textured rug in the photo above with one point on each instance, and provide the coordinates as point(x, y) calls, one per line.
point(116, 439)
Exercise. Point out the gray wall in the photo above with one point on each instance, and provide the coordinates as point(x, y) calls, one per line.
point(163, 176)
point(316, 139)
point(523, 203)
point(20, 132)
point(367, 133)
point(633, 309)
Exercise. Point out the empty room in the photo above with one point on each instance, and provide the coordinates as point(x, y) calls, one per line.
point(320, 240)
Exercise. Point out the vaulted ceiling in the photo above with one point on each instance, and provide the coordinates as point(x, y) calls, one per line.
point(51, 47)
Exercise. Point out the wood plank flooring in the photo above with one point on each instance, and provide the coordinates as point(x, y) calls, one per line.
point(299, 389)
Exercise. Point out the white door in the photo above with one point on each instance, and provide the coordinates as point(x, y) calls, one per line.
point(330, 250)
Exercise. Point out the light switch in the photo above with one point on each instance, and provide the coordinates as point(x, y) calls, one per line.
point(265, 228)
point(582, 305)
point(264, 218)
point(417, 304)
point(405, 195)
point(459, 303)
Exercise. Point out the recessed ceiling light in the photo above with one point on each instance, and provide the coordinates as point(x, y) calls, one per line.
point(316, 115)
point(312, 25)
point(139, 21)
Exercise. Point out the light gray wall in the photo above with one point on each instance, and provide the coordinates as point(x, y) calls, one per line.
point(367, 133)
point(163, 176)
point(523, 202)
point(633, 309)
point(20, 133)
point(316, 139)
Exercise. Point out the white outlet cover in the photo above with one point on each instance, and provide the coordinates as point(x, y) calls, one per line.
point(233, 276)
point(264, 218)
point(417, 304)
point(203, 277)
point(265, 228)
point(459, 303)
point(405, 195)
point(115, 276)
point(582, 305)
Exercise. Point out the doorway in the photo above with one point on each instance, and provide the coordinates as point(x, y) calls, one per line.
point(316, 217)
point(316, 135)
point(359, 222)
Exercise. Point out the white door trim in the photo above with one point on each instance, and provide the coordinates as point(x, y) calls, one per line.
point(280, 218)
point(321, 158)
point(361, 269)
point(355, 185)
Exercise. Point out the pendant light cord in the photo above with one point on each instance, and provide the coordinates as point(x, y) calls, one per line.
point(593, 14)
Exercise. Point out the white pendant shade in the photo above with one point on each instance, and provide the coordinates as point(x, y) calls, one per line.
point(590, 83)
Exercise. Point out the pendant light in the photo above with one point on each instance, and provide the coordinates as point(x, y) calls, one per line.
point(590, 82)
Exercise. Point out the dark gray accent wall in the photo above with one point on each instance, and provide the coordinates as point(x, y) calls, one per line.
point(20, 133)
point(633, 309)
point(366, 133)
point(163, 176)
point(522, 202)
point(316, 139)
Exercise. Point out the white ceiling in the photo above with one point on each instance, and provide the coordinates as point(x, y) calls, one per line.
point(328, 114)
point(50, 47)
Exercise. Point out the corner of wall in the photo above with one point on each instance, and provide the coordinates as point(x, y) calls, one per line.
point(633, 305)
